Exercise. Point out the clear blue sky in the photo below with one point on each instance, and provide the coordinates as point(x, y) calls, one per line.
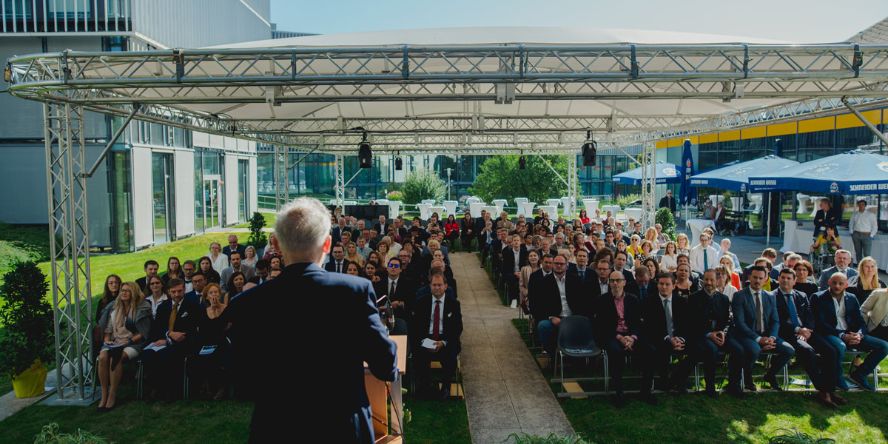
point(792, 20)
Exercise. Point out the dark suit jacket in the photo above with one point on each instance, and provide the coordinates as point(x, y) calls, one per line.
point(534, 289)
point(606, 317)
point(405, 292)
point(631, 285)
point(547, 299)
point(331, 265)
point(825, 314)
point(667, 202)
point(792, 316)
point(287, 315)
point(654, 319)
point(451, 319)
point(708, 313)
point(379, 228)
point(242, 249)
point(187, 318)
point(508, 264)
point(743, 306)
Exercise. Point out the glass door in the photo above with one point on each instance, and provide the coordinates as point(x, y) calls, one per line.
point(243, 207)
point(212, 200)
point(163, 201)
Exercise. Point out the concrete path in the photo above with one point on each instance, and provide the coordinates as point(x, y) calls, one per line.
point(505, 391)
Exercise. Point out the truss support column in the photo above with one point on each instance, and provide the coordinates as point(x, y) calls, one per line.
point(69, 249)
point(866, 122)
point(281, 180)
point(571, 209)
point(339, 187)
point(648, 184)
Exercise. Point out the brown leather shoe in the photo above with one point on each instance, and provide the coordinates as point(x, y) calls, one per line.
point(838, 399)
point(824, 399)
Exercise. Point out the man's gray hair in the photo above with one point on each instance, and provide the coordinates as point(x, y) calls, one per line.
point(302, 225)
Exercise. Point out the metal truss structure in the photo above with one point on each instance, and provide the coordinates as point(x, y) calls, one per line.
point(415, 100)
point(69, 247)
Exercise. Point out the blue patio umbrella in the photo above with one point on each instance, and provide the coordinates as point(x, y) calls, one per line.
point(688, 193)
point(666, 173)
point(854, 172)
point(735, 177)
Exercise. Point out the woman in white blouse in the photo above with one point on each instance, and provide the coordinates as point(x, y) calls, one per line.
point(669, 260)
point(219, 260)
point(683, 245)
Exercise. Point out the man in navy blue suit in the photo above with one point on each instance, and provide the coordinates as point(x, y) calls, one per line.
point(755, 329)
point(436, 321)
point(797, 329)
point(839, 322)
point(327, 321)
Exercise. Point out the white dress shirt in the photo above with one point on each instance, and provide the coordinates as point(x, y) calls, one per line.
point(155, 304)
point(565, 308)
point(864, 221)
point(517, 259)
point(839, 304)
point(389, 287)
point(662, 300)
point(697, 256)
point(440, 320)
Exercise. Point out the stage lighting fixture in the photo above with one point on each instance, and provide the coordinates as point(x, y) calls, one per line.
point(399, 163)
point(590, 150)
point(522, 162)
point(365, 155)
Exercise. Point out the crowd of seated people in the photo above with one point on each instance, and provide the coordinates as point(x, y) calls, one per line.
point(174, 321)
point(660, 299)
point(647, 296)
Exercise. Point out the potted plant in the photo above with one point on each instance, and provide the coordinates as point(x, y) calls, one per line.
point(258, 239)
point(27, 340)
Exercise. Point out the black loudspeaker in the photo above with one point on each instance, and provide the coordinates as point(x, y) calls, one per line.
point(399, 164)
point(365, 155)
point(522, 163)
point(590, 151)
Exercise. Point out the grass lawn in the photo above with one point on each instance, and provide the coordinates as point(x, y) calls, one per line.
point(270, 219)
point(751, 420)
point(208, 421)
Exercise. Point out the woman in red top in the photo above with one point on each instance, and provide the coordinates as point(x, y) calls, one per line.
point(583, 217)
point(451, 229)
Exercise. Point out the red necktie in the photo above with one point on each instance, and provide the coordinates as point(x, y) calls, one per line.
point(437, 322)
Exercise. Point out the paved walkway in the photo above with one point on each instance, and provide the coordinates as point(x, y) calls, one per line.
point(505, 391)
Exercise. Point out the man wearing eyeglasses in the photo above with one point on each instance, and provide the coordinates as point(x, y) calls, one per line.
point(619, 326)
point(560, 295)
point(234, 246)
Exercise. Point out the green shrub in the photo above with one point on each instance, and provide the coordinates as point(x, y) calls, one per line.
point(626, 199)
point(27, 317)
point(258, 239)
point(667, 220)
point(50, 435)
point(421, 185)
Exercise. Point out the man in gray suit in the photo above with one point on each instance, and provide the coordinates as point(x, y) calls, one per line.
point(843, 265)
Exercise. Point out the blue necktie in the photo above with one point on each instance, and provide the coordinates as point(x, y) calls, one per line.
point(705, 259)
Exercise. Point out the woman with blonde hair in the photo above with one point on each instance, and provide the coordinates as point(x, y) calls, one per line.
point(634, 247)
point(867, 279)
point(728, 262)
point(533, 264)
point(651, 235)
point(875, 313)
point(392, 248)
point(250, 256)
point(217, 258)
point(126, 323)
point(682, 245)
point(352, 255)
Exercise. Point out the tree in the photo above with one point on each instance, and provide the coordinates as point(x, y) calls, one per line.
point(421, 185)
point(27, 319)
point(500, 177)
point(258, 239)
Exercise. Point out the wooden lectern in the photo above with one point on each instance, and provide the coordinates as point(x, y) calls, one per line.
point(388, 419)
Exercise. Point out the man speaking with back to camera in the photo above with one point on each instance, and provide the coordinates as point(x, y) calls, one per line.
point(301, 340)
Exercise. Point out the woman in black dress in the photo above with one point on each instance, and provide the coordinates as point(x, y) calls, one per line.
point(206, 267)
point(211, 360)
point(804, 278)
point(684, 286)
